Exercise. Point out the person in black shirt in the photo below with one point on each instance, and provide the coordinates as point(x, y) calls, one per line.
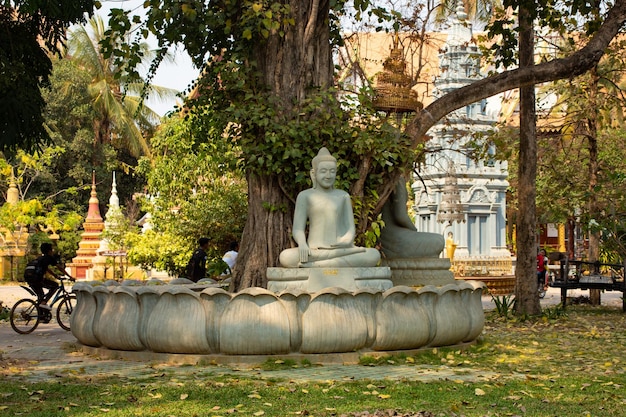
point(196, 267)
point(35, 274)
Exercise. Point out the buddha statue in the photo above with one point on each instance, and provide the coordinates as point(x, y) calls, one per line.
point(399, 238)
point(331, 230)
point(450, 246)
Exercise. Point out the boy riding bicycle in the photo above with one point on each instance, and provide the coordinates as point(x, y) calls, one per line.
point(35, 274)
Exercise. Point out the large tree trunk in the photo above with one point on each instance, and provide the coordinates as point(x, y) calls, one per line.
point(265, 234)
point(592, 140)
point(527, 301)
point(290, 67)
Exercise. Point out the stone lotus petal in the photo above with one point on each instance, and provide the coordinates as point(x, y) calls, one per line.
point(403, 319)
point(255, 322)
point(83, 316)
point(131, 283)
point(333, 322)
point(367, 300)
point(296, 302)
point(181, 281)
point(101, 294)
point(117, 326)
point(148, 296)
point(471, 295)
point(452, 323)
point(154, 281)
point(215, 301)
point(177, 323)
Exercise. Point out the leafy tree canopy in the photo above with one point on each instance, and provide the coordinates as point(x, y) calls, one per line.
point(194, 190)
point(29, 29)
point(34, 212)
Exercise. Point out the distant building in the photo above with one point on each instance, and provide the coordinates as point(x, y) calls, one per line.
point(480, 185)
point(440, 63)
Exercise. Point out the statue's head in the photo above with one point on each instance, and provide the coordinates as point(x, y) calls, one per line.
point(323, 157)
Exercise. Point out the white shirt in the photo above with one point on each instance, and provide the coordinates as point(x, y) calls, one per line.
point(230, 258)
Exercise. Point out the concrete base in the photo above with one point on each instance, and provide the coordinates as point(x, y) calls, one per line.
point(315, 279)
point(418, 272)
point(252, 361)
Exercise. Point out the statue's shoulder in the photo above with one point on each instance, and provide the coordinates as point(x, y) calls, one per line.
point(305, 193)
point(341, 193)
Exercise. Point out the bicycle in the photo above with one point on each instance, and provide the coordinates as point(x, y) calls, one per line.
point(26, 314)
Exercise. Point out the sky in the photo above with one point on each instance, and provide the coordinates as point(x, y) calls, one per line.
point(177, 75)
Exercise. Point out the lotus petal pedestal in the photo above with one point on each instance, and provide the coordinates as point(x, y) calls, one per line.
point(205, 322)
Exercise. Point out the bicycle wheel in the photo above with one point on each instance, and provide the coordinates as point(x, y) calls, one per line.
point(24, 316)
point(64, 311)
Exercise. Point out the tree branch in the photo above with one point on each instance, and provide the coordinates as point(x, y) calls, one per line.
point(576, 64)
point(310, 25)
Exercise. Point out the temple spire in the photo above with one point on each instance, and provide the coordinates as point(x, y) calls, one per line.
point(93, 212)
point(460, 10)
point(13, 195)
point(114, 200)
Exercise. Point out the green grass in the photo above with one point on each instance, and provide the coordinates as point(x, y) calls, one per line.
point(556, 365)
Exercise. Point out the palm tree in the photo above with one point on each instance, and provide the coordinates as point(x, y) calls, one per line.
point(122, 118)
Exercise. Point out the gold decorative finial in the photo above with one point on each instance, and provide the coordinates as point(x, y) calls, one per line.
point(393, 91)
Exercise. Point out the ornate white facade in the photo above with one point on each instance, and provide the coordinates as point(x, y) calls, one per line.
point(481, 185)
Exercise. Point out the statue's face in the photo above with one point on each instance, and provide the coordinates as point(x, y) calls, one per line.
point(325, 174)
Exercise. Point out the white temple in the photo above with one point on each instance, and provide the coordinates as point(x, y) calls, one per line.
point(103, 267)
point(480, 187)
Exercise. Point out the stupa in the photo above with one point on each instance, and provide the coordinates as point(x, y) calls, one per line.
point(100, 269)
point(90, 242)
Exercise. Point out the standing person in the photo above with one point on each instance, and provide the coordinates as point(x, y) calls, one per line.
point(230, 257)
point(196, 267)
point(35, 274)
point(542, 268)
